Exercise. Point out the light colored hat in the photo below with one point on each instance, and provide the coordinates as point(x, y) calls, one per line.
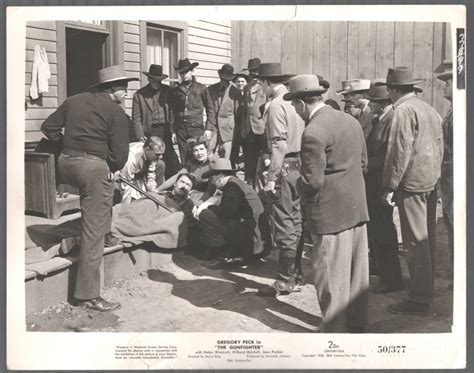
point(354, 85)
point(217, 166)
point(303, 86)
point(447, 70)
point(112, 74)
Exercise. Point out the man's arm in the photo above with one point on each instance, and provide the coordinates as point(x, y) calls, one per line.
point(313, 165)
point(210, 124)
point(399, 149)
point(137, 117)
point(230, 203)
point(53, 125)
point(118, 141)
point(278, 132)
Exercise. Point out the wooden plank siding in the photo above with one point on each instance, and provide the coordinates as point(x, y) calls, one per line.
point(348, 50)
point(209, 44)
point(43, 33)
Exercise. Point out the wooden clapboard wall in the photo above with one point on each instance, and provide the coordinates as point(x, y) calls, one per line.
point(209, 43)
point(132, 59)
point(346, 50)
point(44, 33)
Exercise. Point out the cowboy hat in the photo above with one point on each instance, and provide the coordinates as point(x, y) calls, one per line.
point(377, 92)
point(354, 85)
point(217, 166)
point(446, 69)
point(155, 72)
point(272, 70)
point(226, 72)
point(253, 64)
point(401, 75)
point(185, 65)
point(112, 74)
point(303, 86)
point(194, 141)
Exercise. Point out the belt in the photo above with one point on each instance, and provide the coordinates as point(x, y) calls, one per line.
point(82, 154)
point(292, 155)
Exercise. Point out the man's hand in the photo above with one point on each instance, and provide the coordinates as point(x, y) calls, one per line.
point(142, 139)
point(387, 199)
point(174, 140)
point(269, 186)
point(267, 162)
point(208, 134)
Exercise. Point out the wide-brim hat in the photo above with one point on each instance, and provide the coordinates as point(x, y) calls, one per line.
point(304, 86)
point(194, 141)
point(185, 65)
point(377, 92)
point(217, 166)
point(354, 86)
point(417, 89)
point(446, 70)
point(112, 74)
point(253, 64)
point(155, 72)
point(401, 75)
point(226, 72)
point(272, 70)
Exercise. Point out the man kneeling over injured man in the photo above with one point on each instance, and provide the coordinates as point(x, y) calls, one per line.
point(237, 229)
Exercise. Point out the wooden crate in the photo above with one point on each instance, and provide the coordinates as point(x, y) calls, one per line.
point(41, 187)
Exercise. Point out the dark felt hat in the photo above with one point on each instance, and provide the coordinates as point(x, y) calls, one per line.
point(226, 72)
point(112, 74)
point(272, 70)
point(155, 72)
point(377, 92)
point(304, 86)
point(253, 64)
point(401, 75)
point(185, 65)
point(446, 69)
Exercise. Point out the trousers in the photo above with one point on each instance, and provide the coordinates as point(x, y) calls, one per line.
point(169, 157)
point(384, 242)
point(286, 215)
point(252, 147)
point(341, 278)
point(183, 133)
point(418, 225)
point(90, 175)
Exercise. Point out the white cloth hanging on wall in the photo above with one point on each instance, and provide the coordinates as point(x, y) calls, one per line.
point(40, 73)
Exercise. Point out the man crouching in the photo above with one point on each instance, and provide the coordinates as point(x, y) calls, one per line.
point(237, 228)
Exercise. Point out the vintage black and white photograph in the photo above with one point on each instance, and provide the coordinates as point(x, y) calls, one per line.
point(224, 175)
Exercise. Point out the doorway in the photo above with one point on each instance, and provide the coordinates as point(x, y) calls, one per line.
point(85, 55)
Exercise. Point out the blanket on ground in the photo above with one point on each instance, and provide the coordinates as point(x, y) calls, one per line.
point(144, 221)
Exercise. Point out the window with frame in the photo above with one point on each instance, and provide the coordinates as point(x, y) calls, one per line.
point(162, 48)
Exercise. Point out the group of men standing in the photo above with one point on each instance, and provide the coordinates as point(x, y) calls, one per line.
point(335, 171)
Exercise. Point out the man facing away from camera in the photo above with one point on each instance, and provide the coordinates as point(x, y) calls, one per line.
point(333, 157)
point(95, 145)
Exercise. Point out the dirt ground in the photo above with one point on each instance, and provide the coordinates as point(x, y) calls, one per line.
point(185, 296)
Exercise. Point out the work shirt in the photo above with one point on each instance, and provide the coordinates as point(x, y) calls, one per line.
point(415, 146)
point(93, 123)
point(158, 114)
point(284, 128)
point(139, 171)
point(190, 104)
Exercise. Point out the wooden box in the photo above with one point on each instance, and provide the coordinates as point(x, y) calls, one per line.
point(41, 187)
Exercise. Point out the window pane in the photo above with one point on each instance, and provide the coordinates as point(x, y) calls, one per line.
point(163, 49)
point(153, 46)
